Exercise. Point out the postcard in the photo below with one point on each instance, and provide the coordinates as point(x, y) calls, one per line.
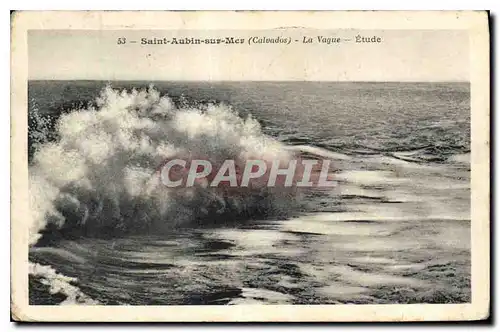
point(250, 166)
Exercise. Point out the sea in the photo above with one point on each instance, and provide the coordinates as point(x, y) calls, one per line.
point(394, 229)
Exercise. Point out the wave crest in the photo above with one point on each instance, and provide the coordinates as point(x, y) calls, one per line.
point(99, 176)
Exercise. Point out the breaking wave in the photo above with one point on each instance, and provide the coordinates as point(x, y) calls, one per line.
point(98, 176)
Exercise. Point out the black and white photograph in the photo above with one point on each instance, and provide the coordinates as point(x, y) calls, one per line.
point(258, 166)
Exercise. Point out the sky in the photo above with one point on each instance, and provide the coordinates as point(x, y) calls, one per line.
point(402, 55)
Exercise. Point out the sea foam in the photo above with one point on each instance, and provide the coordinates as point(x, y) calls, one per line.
point(101, 173)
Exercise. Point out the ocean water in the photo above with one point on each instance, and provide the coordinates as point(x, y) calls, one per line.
point(395, 228)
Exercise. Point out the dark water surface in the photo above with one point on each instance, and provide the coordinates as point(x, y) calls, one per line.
point(396, 229)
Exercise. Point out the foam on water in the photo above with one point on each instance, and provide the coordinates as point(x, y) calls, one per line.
point(59, 283)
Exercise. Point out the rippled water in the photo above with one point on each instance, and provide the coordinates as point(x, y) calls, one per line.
point(396, 229)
